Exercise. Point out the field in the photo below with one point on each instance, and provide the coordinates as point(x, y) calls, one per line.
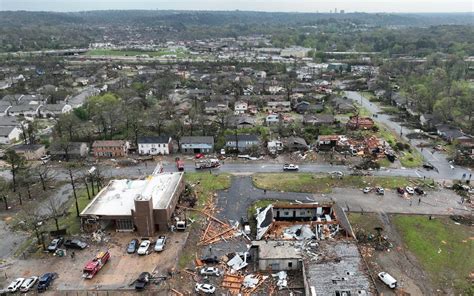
point(314, 183)
point(444, 249)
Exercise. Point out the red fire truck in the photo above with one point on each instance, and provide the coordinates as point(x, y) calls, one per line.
point(92, 267)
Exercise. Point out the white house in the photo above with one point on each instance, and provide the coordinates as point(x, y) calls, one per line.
point(154, 145)
point(240, 107)
point(275, 146)
point(9, 134)
point(261, 74)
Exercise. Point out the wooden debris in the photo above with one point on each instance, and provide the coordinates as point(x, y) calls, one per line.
point(176, 292)
point(232, 283)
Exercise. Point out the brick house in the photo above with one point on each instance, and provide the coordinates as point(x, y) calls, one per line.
point(111, 148)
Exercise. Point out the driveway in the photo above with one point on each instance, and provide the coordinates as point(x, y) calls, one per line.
point(234, 202)
point(437, 159)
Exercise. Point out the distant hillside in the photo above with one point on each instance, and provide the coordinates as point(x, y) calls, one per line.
point(22, 30)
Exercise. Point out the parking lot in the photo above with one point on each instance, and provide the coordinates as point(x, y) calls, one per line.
point(118, 274)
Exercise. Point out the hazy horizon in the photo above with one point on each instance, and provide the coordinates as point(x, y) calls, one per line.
point(401, 6)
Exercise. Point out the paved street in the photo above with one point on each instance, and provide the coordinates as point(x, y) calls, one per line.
point(235, 201)
point(437, 159)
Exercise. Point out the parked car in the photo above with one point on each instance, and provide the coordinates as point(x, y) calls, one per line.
point(210, 271)
point(428, 166)
point(380, 191)
point(400, 190)
point(336, 174)
point(132, 246)
point(290, 167)
point(409, 190)
point(199, 156)
point(28, 284)
point(419, 191)
point(55, 244)
point(205, 288)
point(142, 280)
point(210, 259)
point(75, 244)
point(367, 189)
point(388, 280)
point(45, 158)
point(45, 281)
point(143, 248)
point(160, 243)
point(15, 285)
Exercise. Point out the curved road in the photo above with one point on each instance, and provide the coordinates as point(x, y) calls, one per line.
point(446, 171)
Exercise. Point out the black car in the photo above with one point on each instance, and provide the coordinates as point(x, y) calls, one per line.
point(45, 281)
point(75, 244)
point(132, 246)
point(55, 244)
point(400, 190)
point(210, 260)
point(142, 280)
point(419, 191)
point(428, 166)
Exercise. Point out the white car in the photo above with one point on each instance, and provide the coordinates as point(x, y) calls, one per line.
point(210, 271)
point(380, 191)
point(410, 190)
point(143, 248)
point(388, 280)
point(367, 190)
point(205, 288)
point(28, 284)
point(336, 174)
point(15, 285)
point(290, 167)
point(160, 243)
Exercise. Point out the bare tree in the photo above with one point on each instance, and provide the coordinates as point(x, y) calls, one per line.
point(54, 210)
point(16, 163)
point(4, 190)
point(33, 221)
point(45, 174)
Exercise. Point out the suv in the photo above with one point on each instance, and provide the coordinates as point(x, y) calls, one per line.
point(55, 244)
point(45, 281)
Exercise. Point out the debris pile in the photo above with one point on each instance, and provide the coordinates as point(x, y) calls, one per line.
point(282, 279)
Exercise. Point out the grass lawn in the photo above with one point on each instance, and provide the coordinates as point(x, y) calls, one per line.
point(444, 249)
point(365, 221)
point(71, 222)
point(387, 135)
point(316, 183)
point(411, 159)
point(208, 184)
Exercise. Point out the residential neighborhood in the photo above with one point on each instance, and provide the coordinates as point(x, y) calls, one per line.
point(189, 152)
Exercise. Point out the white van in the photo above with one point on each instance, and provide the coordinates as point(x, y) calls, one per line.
point(388, 280)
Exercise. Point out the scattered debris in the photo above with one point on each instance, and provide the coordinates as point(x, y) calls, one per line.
point(282, 279)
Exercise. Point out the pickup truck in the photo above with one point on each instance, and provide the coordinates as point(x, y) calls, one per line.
point(290, 167)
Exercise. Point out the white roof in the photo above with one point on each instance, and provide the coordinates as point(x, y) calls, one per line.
point(117, 198)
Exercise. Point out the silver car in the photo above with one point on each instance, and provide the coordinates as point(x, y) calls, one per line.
point(160, 243)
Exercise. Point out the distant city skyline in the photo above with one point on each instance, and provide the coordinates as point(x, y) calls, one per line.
point(402, 6)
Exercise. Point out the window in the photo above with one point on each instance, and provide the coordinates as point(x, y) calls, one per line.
point(290, 264)
point(286, 213)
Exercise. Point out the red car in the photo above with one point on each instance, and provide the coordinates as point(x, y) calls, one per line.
point(200, 155)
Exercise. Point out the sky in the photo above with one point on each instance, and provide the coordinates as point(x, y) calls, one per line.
point(249, 5)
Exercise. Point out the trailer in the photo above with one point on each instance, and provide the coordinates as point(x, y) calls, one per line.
point(207, 163)
point(92, 267)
